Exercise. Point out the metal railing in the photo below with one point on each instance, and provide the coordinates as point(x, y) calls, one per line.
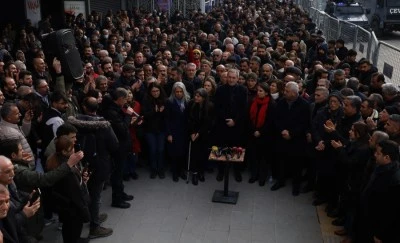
point(185, 6)
point(388, 61)
point(382, 55)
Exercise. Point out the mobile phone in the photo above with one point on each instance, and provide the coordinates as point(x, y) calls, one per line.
point(35, 196)
point(85, 168)
point(77, 147)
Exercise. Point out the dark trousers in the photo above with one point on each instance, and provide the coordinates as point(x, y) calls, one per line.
point(256, 161)
point(130, 165)
point(198, 156)
point(156, 144)
point(117, 175)
point(288, 165)
point(71, 230)
point(326, 188)
point(47, 202)
point(177, 164)
point(95, 187)
point(310, 163)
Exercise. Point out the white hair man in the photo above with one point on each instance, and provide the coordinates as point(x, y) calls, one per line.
point(292, 122)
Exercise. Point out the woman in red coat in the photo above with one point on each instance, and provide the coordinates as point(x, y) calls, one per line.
point(260, 133)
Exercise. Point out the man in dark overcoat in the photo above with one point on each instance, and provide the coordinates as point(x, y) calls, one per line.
point(231, 109)
point(292, 123)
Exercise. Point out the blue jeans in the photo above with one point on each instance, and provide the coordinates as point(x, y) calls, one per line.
point(130, 164)
point(95, 188)
point(156, 143)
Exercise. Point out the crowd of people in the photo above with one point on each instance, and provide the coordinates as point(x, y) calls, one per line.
point(251, 74)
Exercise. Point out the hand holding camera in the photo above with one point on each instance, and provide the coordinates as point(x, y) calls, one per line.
point(75, 158)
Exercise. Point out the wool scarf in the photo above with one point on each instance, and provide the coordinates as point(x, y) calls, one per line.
point(257, 115)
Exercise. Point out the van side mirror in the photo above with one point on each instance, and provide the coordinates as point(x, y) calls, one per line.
point(367, 10)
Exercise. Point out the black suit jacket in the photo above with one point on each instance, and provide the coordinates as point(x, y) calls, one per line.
point(9, 228)
point(296, 119)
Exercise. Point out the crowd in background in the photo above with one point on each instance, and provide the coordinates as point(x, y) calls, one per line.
point(251, 74)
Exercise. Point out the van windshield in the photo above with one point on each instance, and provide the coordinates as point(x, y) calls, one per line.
point(391, 3)
point(349, 10)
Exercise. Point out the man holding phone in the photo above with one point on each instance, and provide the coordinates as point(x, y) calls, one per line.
point(27, 180)
point(22, 208)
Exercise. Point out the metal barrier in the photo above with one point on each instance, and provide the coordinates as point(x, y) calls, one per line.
point(331, 27)
point(382, 55)
point(363, 42)
point(388, 62)
point(374, 48)
point(144, 5)
point(183, 5)
point(348, 33)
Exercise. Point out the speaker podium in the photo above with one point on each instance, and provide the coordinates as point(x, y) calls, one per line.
point(226, 196)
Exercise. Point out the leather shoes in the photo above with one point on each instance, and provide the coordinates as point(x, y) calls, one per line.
point(338, 221)
point(306, 189)
point(341, 232)
point(220, 176)
point(252, 180)
point(153, 174)
point(295, 191)
point(261, 182)
point(201, 177)
point(184, 175)
point(333, 213)
point(318, 201)
point(134, 176)
point(120, 204)
point(346, 240)
point(126, 197)
point(330, 207)
point(161, 174)
point(276, 186)
point(195, 179)
point(238, 176)
point(126, 177)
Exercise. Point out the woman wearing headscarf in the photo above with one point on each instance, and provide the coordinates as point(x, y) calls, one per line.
point(260, 133)
point(200, 122)
point(176, 128)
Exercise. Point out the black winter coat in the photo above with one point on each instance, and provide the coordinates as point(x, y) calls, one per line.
point(230, 103)
point(176, 126)
point(295, 119)
point(71, 196)
point(380, 200)
point(153, 121)
point(119, 123)
point(98, 141)
point(354, 159)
